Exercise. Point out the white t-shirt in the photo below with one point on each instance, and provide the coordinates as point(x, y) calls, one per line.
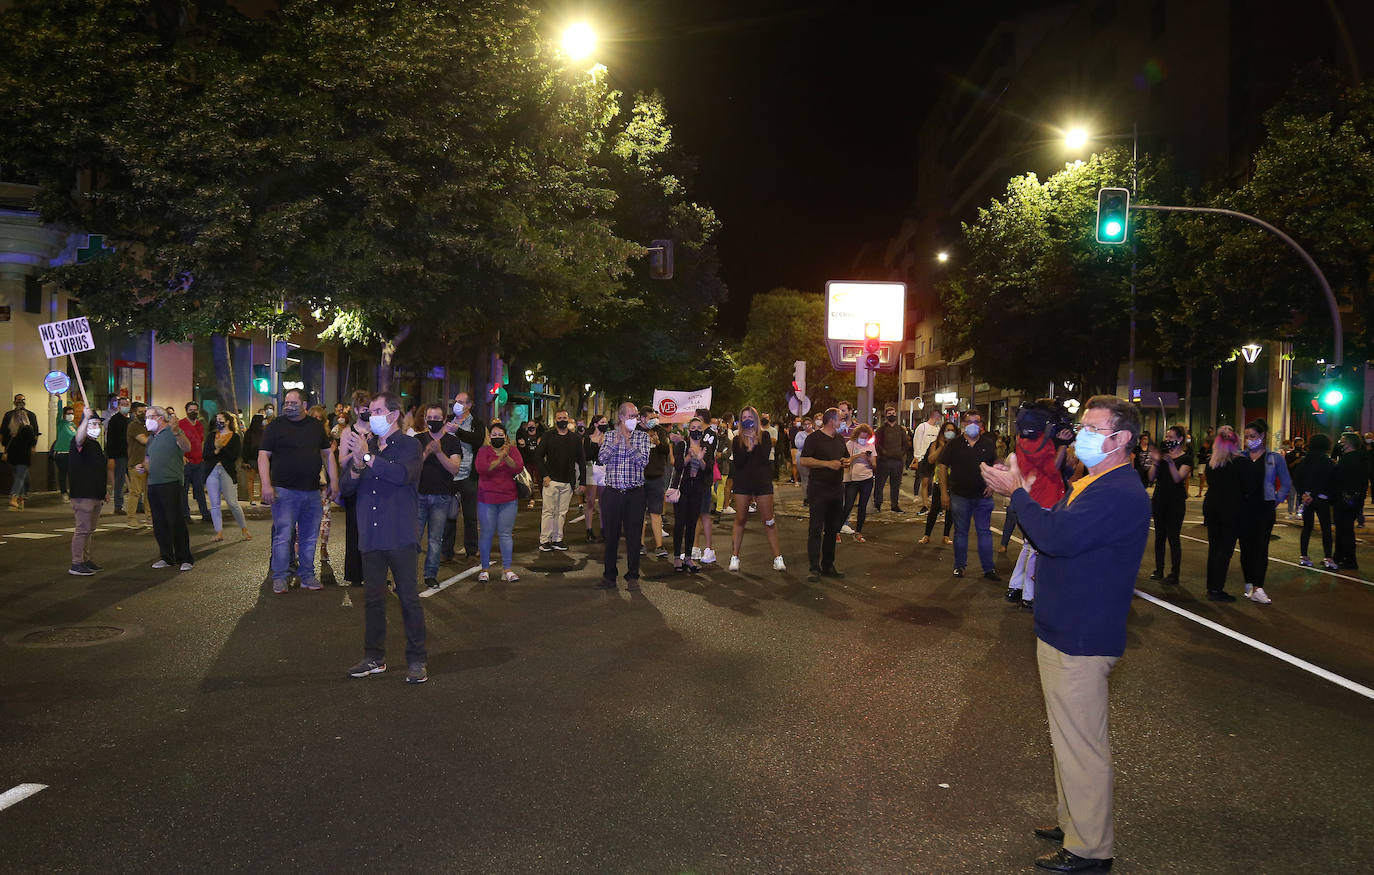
point(926, 433)
point(773, 440)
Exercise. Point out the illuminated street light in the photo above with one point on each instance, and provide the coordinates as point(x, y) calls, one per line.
point(1076, 139)
point(579, 41)
point(942, 257)
point(1251, 352)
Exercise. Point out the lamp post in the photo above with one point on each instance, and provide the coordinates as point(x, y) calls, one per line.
point(579, 41)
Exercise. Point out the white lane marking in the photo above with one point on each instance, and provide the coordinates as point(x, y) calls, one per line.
point(1303, 664)
point(19, 793)
point(451, 581)
point(31, 536)
point(72, 529)
point(579, 518)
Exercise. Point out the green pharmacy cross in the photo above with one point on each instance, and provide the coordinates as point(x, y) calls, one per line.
point(95, 248)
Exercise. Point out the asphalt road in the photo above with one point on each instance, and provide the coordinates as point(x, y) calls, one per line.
point(751, 722)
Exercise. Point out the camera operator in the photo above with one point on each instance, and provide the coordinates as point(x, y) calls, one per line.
point(1043, 434)
point(1168, 469)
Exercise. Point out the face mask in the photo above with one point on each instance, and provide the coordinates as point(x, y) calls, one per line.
point(746, 423)
point(892, 419)
point(457, 409)
point(267, 414)
point(93, 431)
point(562, 424)
point(1254, 444)
point(581, 429)
point(844, 428)
point(949, 435)
point(378, 424)
point(604, 427)
point(498, 442)
point(695, 434)
point(291, 411)
point(973, 429)
point(653, 423)
point(817, 423)
point(124, 410)
point(193, 415)
point(434, 425)
point(221, 426)
point(1088, 447)
point(150, 424)
point(631, 423)
point(342, 420)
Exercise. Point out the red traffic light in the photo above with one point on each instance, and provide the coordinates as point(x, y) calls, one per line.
point(495, 388)
point(872, 361)
point(795, 387)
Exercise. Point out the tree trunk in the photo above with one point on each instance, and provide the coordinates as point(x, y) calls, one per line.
point(224, 372)
point(387, 368)
point(1188, 399)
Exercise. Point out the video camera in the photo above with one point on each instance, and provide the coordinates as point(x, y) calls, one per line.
point(1034, 418)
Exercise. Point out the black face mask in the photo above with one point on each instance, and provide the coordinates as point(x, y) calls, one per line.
point(498, 442)
point(562, 425)
point(434, 425)
point(892, 419)
point(604, 427)
point(695, 435)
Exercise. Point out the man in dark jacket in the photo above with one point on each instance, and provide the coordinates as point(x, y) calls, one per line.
point(559, 457)
point(893, 444)
point(1090, 545)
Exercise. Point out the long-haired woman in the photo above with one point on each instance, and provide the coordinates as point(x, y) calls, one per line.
point(223, 449)
point(858, 481)
point(692, 473)
point(1228, 480)
point(939, 486)
point(753, 484)
point(498, 462)
point(596, 432)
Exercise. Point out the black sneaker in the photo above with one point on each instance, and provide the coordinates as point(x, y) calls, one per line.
point(1013, 595)
point(958, 572)
point(832, 572)
point(545, 547)
point(1171, 580)
point(559, 546)
point(1217, 595)
point(898, 510)
point(993, 576)
point(1028, 604)
point(432, 583)
point(605, 584)
point(80, 571)
point(369, 665)
point(1157, 574)
point(814, 576)
point(416, 673)
point(632, 586)
point(91, 565)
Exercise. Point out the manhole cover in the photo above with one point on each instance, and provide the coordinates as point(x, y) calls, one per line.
point(70, 636)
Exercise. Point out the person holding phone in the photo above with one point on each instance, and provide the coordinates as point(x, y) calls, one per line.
point(826, 454)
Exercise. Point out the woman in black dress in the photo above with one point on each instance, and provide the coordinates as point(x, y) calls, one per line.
point(1229, 481)
point(753, 484)
point(692, 473)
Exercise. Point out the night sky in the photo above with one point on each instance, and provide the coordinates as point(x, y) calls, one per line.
point(802, 117)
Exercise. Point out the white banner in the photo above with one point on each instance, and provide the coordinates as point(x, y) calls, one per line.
point(673, 406)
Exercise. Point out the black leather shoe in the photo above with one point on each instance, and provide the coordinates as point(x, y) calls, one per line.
point(1028, 604)
point(993, 576)
point(1171, 580)
point(1157, 574)
point(1217, 595)
point(1013, 595)
point(1053, 833)
point(832, 572)
point(606, 584)
point(1067, 861)
point(814, 576)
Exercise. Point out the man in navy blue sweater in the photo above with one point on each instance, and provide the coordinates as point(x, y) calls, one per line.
point(1090, 545)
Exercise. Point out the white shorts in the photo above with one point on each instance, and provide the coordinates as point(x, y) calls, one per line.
point(598, 475)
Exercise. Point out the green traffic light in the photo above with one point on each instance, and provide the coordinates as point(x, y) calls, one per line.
point(1112, 229)
point(262, 386)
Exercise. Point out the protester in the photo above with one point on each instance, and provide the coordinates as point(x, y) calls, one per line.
point(1141, 459)
point(1204, 458)
point(939, 483)
point(62, 445)
point(498, 464)
point(381, 472)
point(527, 441)
point(925, 435)
point(892, 444)
point(136, 444)
point(721, 489)
point(294, 447)
point(1040, 455)
point(360, 403)
point(15, 418)
point(692, 472)
point(656, 475)
point(1228, 480)
point(970, 496)
point(441, 457)
point(803, 473)
point(472, 434)
point(1314, 479)
point(164, 463)
point(19, 453)
point(194, 429)
point(623, 455)
point(1351, 472)
point(597, 430)
point(558, 454)
point(749, 453)
point(223, 449)
point(252, 438)
point(117, 449)
point(860, 477)
point(89, 484)
point(1089, 548)
point(1293, 456)
point(1168, 467)
point(826, 454)
point(1259, 509)
point(327, 501)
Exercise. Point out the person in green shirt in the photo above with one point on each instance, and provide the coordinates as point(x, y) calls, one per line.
point(66, 429)
point(165, 465)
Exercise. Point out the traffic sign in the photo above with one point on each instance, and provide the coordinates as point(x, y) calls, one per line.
point(57, 383)
point(800, 405)
point(858, 313)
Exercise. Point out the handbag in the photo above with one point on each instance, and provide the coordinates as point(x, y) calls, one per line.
point(672, 494)
point(524, 485)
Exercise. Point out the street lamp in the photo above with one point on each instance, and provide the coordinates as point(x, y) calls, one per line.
point(942, 256)
point(579, 41)
point(1251, 352)
point(1076, 139)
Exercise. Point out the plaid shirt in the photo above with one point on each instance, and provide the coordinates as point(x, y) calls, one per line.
point(624, 464)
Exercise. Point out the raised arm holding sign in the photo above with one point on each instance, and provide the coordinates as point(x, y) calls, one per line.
point(68, 337)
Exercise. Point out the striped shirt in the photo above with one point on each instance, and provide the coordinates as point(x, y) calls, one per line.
point(624, 463)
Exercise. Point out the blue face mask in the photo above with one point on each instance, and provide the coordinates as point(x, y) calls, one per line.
point(378, 424)
point(746, 423)
point(1088, 447)
point(973, 429)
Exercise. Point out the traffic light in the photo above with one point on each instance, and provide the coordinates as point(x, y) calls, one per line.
point(661, 260)
point(262, 379)
point(799, 378)
point(1113, 211)
point(872, 342)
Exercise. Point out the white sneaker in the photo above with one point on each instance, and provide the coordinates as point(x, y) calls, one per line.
point(846, 530)
point(1330, 565)
point(1260, 596)
point(696, 553)
point(753, 508)
point(728, 510)
point(708, 556)
point(1249, 588)
point(186, 566)
point(160, 564)
point(778, 564)
point(663, 534)
point(734, 563)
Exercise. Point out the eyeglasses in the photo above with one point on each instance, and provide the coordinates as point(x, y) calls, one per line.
point(1094, 429)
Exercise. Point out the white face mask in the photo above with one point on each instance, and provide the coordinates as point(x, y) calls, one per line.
point(93, 431)
point(378, 424)
point(150, 424)
point(631, 423)
point(458, 409)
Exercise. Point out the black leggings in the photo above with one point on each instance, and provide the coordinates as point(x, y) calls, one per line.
point(935, 507)
point(1168, 527)
point(1321, 509)
point(685, 515)
point(859, 490)
point(1254, 541)
point(1221, 545)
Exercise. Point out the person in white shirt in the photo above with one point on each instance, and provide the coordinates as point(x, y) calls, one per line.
point(926, 433)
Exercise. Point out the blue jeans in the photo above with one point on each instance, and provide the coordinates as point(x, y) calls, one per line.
point(20, 485)
point(193, 475)
point(496, 519)
point(433, 517)
point(980, 509)
point(294, 510)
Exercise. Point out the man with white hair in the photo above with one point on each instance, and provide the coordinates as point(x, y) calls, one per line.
point(624, 453)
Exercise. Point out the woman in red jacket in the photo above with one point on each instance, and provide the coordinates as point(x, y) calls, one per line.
point(498, 462)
